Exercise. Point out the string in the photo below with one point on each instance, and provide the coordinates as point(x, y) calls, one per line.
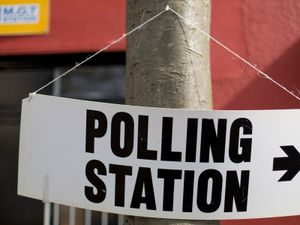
point(186, 21)
point(98, 52)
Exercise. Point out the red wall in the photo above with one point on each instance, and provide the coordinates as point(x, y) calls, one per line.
point(267, 33)
point(76, 26)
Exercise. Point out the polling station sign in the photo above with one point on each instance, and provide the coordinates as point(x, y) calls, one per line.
point(23, 17)
point(156, 162)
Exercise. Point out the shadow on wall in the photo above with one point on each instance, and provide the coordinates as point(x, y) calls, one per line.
point(261, 93)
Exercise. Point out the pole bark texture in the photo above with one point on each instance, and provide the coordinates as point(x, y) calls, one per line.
point(168, 65)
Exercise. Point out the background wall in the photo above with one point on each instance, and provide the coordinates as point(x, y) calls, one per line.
point(267, 34)
point(74, 27)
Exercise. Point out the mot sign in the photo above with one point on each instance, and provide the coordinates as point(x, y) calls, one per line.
point(24, 17)
point(155, 162)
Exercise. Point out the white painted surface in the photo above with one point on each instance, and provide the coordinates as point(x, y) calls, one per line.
point(52, 158)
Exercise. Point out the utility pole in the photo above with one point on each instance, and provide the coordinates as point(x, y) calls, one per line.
point(167, 65)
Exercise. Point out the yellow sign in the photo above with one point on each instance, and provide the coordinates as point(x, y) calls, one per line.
point(24, 17)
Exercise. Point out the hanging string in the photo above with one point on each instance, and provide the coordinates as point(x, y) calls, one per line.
point(98, 52)
point(187, 22)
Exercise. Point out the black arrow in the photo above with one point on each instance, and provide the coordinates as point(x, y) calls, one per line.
point(291, 163)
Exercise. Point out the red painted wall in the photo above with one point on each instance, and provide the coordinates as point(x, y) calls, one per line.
point(75, 26)
point(267, 34)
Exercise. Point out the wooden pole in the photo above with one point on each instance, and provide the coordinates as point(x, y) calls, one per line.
point(167, 64)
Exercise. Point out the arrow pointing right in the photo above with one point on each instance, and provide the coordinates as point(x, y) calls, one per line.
point(291, 163)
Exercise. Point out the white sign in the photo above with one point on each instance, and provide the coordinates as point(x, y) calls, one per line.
point(19, 14)
point(24, 17)
point(165, 163)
